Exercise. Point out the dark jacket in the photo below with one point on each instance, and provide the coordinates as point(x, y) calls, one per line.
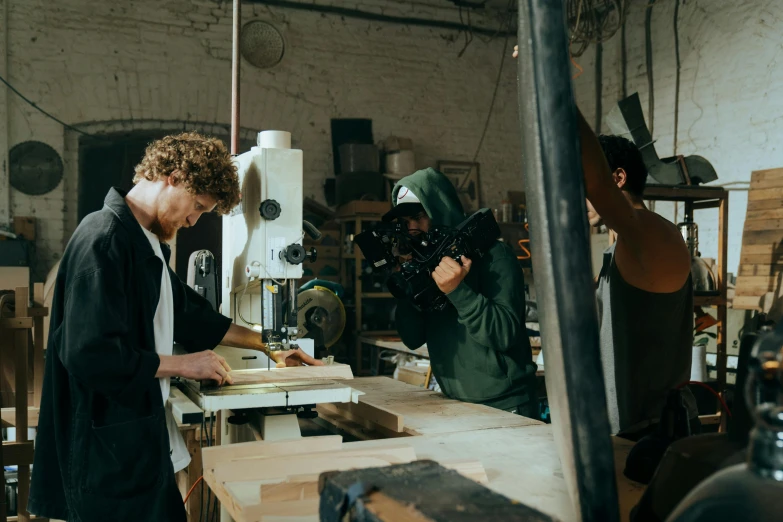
point(479, 349)
point(102, 449)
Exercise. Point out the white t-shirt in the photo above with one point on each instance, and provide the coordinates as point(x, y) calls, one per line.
point(164, 345)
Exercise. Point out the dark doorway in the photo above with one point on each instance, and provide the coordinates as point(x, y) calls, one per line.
point(110, 163)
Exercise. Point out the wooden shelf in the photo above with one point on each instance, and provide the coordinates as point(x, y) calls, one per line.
point(708, 300)
point(684, 193)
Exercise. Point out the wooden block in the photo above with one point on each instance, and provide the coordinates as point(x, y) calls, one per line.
point(357, 423)
point(13, 276)
point(374, 413)
point(281, 511)
point(292, 373)
point(417, 485)
point(773, 193)
point(413, 375)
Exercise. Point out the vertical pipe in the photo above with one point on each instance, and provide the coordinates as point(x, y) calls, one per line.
point(235, 62)
point(558, 224)
point(5, 170)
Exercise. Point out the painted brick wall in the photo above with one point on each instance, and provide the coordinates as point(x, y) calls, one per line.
point(146, 62)
point(731, 93)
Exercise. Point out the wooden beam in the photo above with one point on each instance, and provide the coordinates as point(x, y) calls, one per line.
point(16, 323)
point(38, 341)
point(258, 449)
point(21, 302)
point(17, 453)
point(9, 416)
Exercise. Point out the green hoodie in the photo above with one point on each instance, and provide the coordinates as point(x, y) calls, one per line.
point(479, 349)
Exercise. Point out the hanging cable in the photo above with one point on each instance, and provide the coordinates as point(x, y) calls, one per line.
point(649, 54)
point(507, 23)
point(677, 72)
point(594, 21)
point(45, 113)
point(624, 61)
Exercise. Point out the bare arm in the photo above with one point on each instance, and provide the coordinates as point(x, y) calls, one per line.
point(241, 337)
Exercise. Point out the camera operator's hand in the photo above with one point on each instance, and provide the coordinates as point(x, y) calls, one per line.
point(449, 274)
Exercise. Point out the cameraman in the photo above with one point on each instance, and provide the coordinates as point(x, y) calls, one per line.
point(478, 346)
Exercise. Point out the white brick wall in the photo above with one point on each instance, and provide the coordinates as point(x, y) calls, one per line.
point(97, 62)
point(731, 93)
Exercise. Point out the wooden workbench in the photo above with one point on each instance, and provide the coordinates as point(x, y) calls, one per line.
point(518, 454)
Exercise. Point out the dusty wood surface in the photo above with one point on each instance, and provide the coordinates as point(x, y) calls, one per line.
point(293, 373)
point(512, 455)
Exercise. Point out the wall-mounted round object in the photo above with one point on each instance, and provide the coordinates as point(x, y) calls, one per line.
point(261, 44)
point(36, 168)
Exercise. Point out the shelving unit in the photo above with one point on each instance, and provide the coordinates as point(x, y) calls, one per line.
point(353, 219)
point(700, 198)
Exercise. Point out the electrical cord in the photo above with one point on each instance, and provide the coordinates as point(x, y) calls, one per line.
point(649, 55)
point(677, 72)
point(506, 22)
point(716, 394)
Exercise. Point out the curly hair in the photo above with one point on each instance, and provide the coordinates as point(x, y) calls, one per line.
point(203, 164)
point(621, 153)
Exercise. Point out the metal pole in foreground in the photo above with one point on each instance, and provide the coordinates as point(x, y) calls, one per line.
point(235, 60)
point(561, 261)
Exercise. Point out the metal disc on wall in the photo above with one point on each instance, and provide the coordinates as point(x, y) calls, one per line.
point(261, 44)
point(36, 168)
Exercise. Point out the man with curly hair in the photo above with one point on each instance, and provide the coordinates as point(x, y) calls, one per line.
point(107, 447)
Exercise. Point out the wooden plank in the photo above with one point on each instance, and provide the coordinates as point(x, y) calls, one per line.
point(763, 237)
point(761, 259)
point(753, 285)
point(767, 184)
point(183, 409)
point(21, 302)
point(287, 491)
point(9, 416)
point(215, 454)
point(17, 453)
point(367, 425)
point(38, 341)
point(773, 193)
point(292, 373)
point(758, 176)
point(374, 413)
point(760, 269)
point(763, 224)
point(280, 511)
point(16, 323)
point(428, 412)
point(763, 204)
point(282, 466)
point(472, 469)
point(747, 303)
point(772, 213)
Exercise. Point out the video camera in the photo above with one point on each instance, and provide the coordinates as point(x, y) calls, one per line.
point(384, 244)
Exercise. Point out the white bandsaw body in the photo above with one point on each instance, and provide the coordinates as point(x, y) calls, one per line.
point(262, 255)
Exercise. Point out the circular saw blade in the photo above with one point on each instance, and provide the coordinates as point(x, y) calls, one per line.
point(321, 313)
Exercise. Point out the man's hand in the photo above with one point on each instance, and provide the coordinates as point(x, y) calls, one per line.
point(285, 358)
point(449, 274)
point(198, 366)
point(516, 51)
